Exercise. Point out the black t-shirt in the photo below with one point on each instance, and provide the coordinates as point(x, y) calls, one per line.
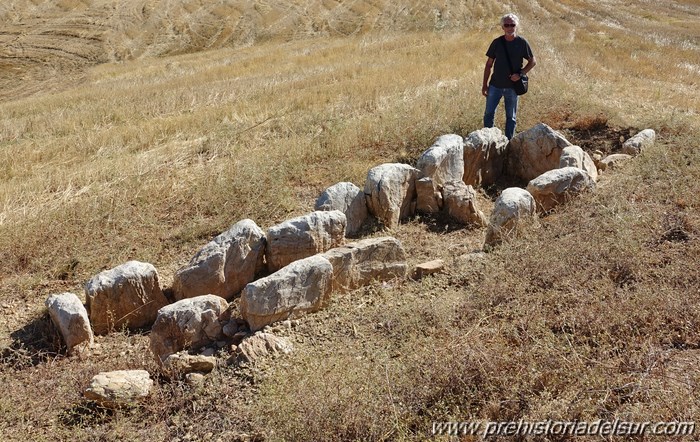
point(518, 49)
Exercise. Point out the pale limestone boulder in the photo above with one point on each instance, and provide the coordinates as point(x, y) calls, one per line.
point(513, 208)
point(444, 160)
point(349, 199)
point(559, 185)
point(390, 190)
point(116, 389)
point(429, 196)
point(302, 286)
point(182, 363)
point(225, 265)
point(262, 345)
point(639, 142)
point(126, 296)
point(574, 156)
point(304, 236)
point(534, 151)
point(484, 154)
point(359, 263)
point(460, 203)
point(615, 160)
point(190, 324)
point(71, 319)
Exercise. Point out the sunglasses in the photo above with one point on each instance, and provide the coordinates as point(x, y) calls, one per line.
point(508, 25)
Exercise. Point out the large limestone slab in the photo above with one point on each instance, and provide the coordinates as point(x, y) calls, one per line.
point(390, 190)
point(359, 263)
point(187, 324)
point(302, 286)
point(126, 296)
point(484, 155)
point(349, 199)
point(121, 388)
point(225, 265)
point(444, 160)
point(513, 207)
point(639, 142)
point(559, 185)
point(304, 236)
point(460, 203)
point(574, 156)
point(71, 319)
point(534, 151)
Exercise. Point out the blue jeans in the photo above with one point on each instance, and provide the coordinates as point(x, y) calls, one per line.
point(511, 101)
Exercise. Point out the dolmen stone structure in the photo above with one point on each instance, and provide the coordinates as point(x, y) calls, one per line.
point(294, 267)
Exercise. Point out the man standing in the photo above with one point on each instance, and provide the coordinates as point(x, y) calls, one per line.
point(501, 85)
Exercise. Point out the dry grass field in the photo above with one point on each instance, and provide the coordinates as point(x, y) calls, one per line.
point(140, 129)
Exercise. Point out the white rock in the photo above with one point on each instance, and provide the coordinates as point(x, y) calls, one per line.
point(559, 185)
point(574, 156)
point(304, 236)
point(359, 263)
point(615, 160)
point(444, 160)
point(534, 151)
point(225, 265)
point(302, 286)
point(459, 202)
point(187, 324)
point(484, 154)
point(126, 296)
point(390, 190)
point(639, 142)
point(349, 199)
point(120, 388)
point(262, 345)
point(513, 207)
point(71, 319)
point(182, 363)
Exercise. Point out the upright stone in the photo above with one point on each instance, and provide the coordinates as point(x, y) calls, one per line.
point(359, 263)
point(390, 190)
point(187, 324)
point(484, 154)
point(460, 204)
point(70, 317)
point(514, 207)
point(534, 151)
point(444, 160)
point(559, 185)
point(126, 296)
point(302, 286)
point(225, 265)
point(574, 156)
point(304, 236)
point(429, 196)
point(639, 142)
point(349, 199)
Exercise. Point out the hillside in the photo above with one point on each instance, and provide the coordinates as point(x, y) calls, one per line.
point(140, 129)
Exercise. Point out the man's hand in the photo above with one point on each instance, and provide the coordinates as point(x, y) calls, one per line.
point(484, 91)
point(514, 77)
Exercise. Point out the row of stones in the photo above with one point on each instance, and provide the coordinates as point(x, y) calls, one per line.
point(303, 279)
